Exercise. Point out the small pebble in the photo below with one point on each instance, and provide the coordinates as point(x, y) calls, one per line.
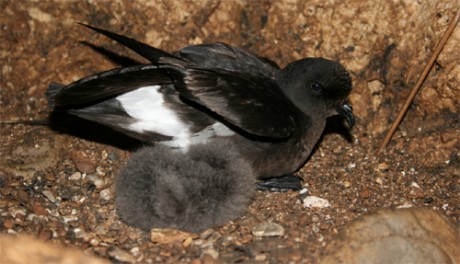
point(405, 205)
point(94, 242)
point(260, 257)
point(315, 219)
point(38, 209)
point(212, 252)
point(206, 233)
point(23, 196)
point(303, 191)
point(49, 195)
point(268, 229)
point(324, 226)
point(121, 255)
point(169, 236)
point(104, 154)
point(14, 212)
point(68, 219)
point(50, 177)
point(100, 230)
point(365, 193)
point(135, 251)
point(106, 194)
point(198, 242)
point(97, 181)
point(75, 177)
point(315, 202)
point(320, 238)
point(85, 167)
point(79, 233)
point(187, 242)
point(82, 162)
point(214, 237)
point(315, 229)
point(383, 167)
point(8, 223)
point(100, 171)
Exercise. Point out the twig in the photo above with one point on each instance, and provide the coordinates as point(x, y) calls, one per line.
point(422, 78)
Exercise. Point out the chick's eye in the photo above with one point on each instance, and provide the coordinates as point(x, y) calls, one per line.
point(316, 87)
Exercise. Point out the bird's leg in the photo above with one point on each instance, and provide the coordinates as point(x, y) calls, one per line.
point(281, 183)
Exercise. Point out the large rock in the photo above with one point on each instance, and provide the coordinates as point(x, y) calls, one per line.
point(25, 249)
point(415, 235)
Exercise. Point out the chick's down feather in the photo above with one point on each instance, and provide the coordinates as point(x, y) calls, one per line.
point(161, 187)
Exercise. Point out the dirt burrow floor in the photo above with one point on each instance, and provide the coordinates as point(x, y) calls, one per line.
point(59, 186)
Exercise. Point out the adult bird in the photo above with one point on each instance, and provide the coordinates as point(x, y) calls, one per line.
point(205, 93)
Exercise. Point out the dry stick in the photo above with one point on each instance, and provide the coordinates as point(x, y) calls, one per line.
point(414, 91)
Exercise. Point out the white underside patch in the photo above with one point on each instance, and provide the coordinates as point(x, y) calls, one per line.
point(215, 130)
point(146, 105)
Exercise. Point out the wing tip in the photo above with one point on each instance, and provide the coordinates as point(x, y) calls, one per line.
point(154, 55)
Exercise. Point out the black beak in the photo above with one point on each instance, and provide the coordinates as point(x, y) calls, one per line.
point(346, 111)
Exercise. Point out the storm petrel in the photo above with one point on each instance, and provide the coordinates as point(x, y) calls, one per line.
point(204, 94)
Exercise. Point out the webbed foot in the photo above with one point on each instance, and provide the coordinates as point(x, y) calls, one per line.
point(280, 184)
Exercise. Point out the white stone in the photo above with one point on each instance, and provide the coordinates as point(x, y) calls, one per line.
point(315, 202)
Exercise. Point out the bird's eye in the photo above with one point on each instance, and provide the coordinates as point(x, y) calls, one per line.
point(316, 87)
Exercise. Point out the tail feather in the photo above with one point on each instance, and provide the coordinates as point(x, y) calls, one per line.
point(53, 90)
point(161, 187)
point(40, 122)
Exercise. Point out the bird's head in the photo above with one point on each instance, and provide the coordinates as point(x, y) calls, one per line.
point(318, 87)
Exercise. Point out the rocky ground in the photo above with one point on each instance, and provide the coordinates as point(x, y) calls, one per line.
point(57, 185)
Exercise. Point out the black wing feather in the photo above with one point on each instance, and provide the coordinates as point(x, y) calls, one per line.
point(146, 51)
point(226, 57)
point(252, 104)
point(98, 87)
point(234, 84)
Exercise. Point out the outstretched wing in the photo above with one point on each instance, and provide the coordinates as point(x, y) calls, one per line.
point(236, 85)
point(139, 101)
point(226, 57)
point(253, 104)
point(207, 56)
point(105, 85)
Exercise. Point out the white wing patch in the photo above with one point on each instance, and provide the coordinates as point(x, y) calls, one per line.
point(146, 105)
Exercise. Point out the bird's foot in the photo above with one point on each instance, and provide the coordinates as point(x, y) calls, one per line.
point(280, 184)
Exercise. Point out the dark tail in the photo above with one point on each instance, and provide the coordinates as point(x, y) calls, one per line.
point(53, 90)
